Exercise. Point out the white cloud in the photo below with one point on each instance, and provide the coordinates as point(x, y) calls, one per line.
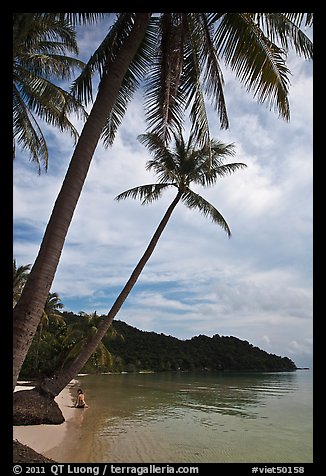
point(256, 286)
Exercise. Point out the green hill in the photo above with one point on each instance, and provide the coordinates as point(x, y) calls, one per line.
point(134, 350)
point(140, 350)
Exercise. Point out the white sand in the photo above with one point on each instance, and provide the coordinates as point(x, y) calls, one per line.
point(43, 438)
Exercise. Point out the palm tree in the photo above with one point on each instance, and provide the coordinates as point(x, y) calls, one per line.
point(50, 313)
point(20, 275)
point(179, 167)
point(28, 313)
point(177, 54)
point(81, 332)
point(40, 46)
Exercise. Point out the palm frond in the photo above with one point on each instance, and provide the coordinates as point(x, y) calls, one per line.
point(47, 32)
point(49, 102)
point(212, 74)
point(100, 60)
point(194, 201)
point(145, 193)
point(154, 143)
point(41, 42)
point(202, 75)
point(208, 175)
point(136, 72)
point(163, 163)
point(284, 28)
point(163, 96)
point(103, 355)
point(27, 132)
point(20, 275)
point(48, 65)
point(257, 62)
point(84, 17)
point(196, 101)
point(299, 19)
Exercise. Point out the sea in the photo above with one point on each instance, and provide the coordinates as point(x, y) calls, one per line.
point(190, 417)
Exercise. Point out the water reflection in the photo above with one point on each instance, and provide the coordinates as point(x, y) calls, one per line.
point(159, 396)
point(195, 417)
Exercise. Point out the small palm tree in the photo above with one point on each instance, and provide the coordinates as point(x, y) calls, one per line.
point(41, 42)
point(178, 168)
point(19, 279)
point(81, 332)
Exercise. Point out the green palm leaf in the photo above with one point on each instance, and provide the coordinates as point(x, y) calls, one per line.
point(212, 76)
point(285, 28)
point(40, 46)
point(146, 193)
point(137, 70)
point(164, 100)
point(182, 165)
point(83, 331)
point(20, 275)
point(83, 17)
point(193, 200)
point(257, 61)
point(27, 132)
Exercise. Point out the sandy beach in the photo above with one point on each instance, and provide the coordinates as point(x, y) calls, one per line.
point(45, 438)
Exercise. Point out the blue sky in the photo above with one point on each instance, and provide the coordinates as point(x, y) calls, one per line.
point(256, 286)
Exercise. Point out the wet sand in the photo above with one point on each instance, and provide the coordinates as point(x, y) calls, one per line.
point(45, 438)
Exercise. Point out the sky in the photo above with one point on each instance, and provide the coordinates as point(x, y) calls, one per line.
point(256, 285)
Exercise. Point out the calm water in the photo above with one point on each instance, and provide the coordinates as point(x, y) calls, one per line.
point(192, 418)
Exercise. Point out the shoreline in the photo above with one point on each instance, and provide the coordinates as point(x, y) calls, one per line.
point(44, 438)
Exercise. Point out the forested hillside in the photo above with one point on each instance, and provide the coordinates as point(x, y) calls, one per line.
point(128, 349)
point(147, 350)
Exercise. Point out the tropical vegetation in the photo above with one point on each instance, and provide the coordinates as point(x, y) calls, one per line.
point(50, 314)
point(134, 350)
point(178, 54)
point(61, 341)
point(41, 44)
point(20, 274)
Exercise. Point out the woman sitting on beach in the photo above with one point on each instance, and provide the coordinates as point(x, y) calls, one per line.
point(80, 402)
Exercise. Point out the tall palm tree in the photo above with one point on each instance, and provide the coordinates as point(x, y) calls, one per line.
point(41, 43)
point(20, 275)
point(179, 167)
point(122, 45)
point(50, 313)
point(178, 54)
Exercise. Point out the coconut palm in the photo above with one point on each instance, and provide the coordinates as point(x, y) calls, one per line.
point(20, 275)
point(28, 312)
point(41, 43)
point(178, 55)
point(81, 332)
point(179, 168)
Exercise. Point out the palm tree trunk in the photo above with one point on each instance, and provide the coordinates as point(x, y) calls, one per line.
point(57, 383)
point(28, 311)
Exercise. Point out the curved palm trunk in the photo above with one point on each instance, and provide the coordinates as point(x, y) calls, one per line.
point(28, 311)
point(56, 384)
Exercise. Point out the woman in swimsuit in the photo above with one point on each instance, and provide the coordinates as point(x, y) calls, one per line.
point(80, 402)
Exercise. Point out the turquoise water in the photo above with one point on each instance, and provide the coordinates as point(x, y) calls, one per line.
point(193, 418)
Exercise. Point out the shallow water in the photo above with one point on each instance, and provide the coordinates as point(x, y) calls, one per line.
point(192, 418)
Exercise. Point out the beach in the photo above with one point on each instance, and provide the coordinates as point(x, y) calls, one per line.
point(45, 438)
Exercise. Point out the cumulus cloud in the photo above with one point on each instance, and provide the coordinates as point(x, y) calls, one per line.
point(256, 286)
